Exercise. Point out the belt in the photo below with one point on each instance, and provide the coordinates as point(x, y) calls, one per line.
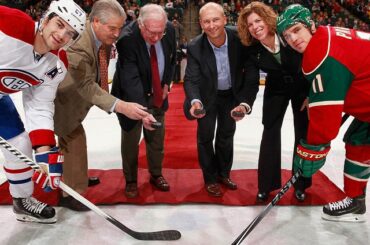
point(225, 92)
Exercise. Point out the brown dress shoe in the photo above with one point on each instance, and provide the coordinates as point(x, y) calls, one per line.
point(228, 183)
point(73, 204)
point(131, 190)
point(160, 182)
point(214, 190)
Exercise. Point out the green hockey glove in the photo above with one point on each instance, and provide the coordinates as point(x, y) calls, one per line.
point(310, 158)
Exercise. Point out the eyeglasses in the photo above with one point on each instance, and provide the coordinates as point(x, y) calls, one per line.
point(154, 34)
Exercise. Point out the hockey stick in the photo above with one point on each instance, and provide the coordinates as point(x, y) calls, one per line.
point(277, 198)
point(166, 235)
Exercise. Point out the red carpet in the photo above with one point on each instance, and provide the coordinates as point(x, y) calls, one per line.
point(182, 171)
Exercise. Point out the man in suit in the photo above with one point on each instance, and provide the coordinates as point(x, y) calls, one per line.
point(214, 81)
point(145, 68)
point(81, 89)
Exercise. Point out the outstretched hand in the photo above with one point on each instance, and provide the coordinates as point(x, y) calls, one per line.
point(238, 113)
point(197, 110)
point(131, 110)
point(147, 122)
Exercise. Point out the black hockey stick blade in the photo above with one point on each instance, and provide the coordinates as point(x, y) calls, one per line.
point(166, 235)
point(265, 211)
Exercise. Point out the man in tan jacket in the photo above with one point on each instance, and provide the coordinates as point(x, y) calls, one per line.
point(81, 89)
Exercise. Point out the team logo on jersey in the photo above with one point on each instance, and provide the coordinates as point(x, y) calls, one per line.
point(12, 81)
point(53, 72)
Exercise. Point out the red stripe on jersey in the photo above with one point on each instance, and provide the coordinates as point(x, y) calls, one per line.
point(17, 24)
point(316, 50)
point(62, 54)
point(17, 171)
point(42, 137)
point(324, 123)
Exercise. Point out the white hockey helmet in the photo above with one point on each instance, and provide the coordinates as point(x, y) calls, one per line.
point(70, 12)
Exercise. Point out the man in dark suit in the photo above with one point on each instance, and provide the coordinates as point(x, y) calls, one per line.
point(145, 69)
point(214, 81)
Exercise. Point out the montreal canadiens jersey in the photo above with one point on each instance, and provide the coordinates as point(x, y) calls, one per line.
point(36, 76)
point(337, 63)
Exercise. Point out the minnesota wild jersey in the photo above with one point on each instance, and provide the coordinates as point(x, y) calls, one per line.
point(337, 64)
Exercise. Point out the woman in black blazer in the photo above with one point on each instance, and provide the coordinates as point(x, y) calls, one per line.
point(284, 83)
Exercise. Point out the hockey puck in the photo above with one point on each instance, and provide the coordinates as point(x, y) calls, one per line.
point(198, 112)
point(237, 114)
point(156, 125)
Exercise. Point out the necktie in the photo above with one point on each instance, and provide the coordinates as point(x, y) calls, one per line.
point(103, 68)
point(156, 81)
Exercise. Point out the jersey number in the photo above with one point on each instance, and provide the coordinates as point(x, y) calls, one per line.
point(317, 86)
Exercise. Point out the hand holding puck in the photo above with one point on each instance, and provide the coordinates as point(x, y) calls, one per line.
point(198, 112)
point(156, 125)
point(238, 114)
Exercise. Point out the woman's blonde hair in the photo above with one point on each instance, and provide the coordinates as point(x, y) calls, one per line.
point(267, 14)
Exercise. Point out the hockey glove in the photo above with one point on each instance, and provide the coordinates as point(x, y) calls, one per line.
point(310, 158)
point(51, 162)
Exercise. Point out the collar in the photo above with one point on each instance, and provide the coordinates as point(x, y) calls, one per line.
point(223, 45)
point(277, 46)
point(97, 42)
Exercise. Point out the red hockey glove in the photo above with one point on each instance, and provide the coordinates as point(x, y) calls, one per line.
point(51, 162)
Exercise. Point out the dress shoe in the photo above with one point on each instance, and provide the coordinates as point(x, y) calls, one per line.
point(228, 183)
point(160, 182)
point(131, 190)
point(214, 190)
point(262, 196)
point(300, 195)
point(93, 181)
point(73, 204)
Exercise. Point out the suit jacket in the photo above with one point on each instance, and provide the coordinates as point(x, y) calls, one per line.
point(201, 72)
point(133, 78)
point(278, 75)
point(285, 79)
point(80, 89)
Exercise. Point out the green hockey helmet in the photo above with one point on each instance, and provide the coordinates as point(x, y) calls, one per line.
point(292, 15)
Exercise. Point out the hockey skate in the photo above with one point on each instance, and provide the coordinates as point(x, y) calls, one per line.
point(31, 210)
point(346, 210)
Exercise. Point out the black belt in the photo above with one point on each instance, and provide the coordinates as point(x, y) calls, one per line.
point(225, 92)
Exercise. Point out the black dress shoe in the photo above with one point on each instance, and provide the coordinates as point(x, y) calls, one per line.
point(262, 196)
point(73, 204)
point(300, 195)
point(93, 181)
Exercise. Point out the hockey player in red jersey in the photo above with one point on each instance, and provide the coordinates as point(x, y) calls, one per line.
point(337, 62)
point(33, 61)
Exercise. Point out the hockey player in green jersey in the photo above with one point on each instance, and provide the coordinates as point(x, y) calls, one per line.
point(336, 61)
